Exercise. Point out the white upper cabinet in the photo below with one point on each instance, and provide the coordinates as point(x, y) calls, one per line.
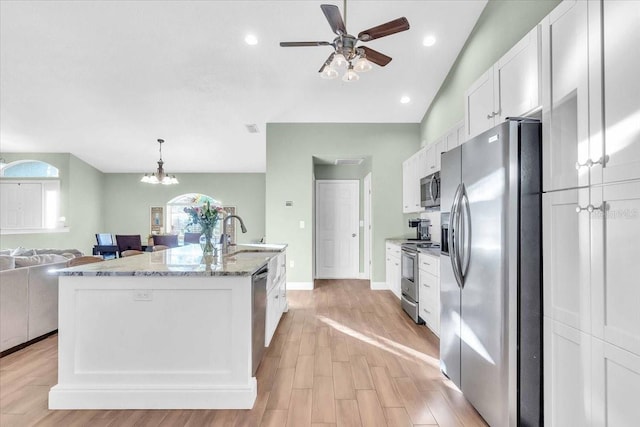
point(411, 170)
point(510, 88)
point(479, 113)
point(516, 78)
point(565, 96)
point(621, 91)
point(438, 149)
point(453, 138)
point(406, 197)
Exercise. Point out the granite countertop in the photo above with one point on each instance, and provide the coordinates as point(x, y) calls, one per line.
point(244, 260)
point(428, 251)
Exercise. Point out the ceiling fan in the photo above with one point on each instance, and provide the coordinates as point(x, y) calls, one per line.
point(346, 52)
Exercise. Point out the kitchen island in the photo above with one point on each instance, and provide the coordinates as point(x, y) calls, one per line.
point(164, 330)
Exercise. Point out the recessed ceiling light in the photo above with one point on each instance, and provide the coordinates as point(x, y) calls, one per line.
point(405, 100)
point(429, 41)
point(251, 40)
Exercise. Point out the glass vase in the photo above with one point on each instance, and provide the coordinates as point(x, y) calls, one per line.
point(207, 244)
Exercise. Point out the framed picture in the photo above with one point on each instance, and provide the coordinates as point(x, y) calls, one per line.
point(231, 229)
point(156, 219)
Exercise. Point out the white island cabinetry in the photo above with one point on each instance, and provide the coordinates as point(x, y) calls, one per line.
point(162, 330)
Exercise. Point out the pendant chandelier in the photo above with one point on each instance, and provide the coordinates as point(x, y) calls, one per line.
point(160, 176)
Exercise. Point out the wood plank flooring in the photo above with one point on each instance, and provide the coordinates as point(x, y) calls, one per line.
point(342, 356)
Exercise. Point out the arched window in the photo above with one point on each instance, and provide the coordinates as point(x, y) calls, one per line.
point(29, 169)
point(177, 219)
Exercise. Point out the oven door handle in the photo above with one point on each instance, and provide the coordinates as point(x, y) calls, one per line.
point(431, 198)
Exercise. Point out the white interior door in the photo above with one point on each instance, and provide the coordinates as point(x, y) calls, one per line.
point(337, 229)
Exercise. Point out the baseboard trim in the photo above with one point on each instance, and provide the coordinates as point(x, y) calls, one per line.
point(26, 344)
point(379, 286)
point(134, 396)
point(299, 286)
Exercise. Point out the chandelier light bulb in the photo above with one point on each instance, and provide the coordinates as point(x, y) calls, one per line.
point(338, 61)
point(350, 75)
point(329, 73)
point(362, 65)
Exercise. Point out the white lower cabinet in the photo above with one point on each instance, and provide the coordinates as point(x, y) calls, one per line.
point(429, 291)
point(276, 295)
point(567, 375)
point(393, 268)
point(616, 386)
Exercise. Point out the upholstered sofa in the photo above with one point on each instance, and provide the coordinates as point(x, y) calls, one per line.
point(29, 293)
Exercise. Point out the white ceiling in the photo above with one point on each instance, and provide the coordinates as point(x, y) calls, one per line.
point(104, 80)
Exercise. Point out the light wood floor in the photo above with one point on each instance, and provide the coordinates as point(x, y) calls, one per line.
point(342, 356)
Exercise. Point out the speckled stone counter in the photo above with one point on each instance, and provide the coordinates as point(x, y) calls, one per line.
point(428, 251)
point(183, 261)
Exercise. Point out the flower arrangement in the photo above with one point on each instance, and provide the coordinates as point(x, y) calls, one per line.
point(206, 217)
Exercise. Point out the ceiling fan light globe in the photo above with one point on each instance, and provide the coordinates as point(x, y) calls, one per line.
point(338, 61)
point(362, 65)
point(350, 76)
point(329, 73)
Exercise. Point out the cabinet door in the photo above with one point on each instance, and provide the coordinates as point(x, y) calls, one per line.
point(414, 182)
point(397, 275)
point(565, 93)
point(616, 386)
point(422, 163)
point(566, 242)
point(567, 375)
point(621, 71)
point(615, 266)
point(438, 150)
point(431, 159)
point(479, 113)
point(516, 78)
point(406, 197)
point(388, 270)
point(451, 139)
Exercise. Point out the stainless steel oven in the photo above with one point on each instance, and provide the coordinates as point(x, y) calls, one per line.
point(430, 191)
point(409, 282)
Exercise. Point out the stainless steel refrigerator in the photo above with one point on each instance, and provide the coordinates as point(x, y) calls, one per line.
point(491, 272)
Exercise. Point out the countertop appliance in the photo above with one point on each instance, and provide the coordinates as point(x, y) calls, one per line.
point(422, 228)
point(430, 191)
point(258, 317)
point(491, 318)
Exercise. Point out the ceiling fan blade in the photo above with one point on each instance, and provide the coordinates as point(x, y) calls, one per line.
point(327, 62)
point(304, 44)
point(376, 57)
point(332, 13)
point(383, 30)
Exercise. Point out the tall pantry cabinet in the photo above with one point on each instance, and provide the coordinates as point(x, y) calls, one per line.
point(591, 213)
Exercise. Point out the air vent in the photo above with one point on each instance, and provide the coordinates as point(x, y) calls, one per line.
point(348, 162)
point(252, 128)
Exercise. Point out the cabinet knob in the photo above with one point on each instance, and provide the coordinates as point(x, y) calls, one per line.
point(590, 163)
point(492, 115)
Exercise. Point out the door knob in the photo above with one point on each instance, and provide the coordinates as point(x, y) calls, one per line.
point(353, 235)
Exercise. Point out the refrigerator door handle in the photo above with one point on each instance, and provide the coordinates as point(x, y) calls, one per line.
point(453, 237)
point(465, 214)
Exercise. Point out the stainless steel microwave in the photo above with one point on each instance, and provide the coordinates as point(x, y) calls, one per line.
point(430, 191)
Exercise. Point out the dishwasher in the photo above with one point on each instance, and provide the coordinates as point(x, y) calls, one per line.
point(259, 314)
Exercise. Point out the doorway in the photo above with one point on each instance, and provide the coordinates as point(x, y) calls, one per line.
point(337, 240)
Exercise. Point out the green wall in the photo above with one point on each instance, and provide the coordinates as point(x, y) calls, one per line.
point(500, 26)
point(127, 200)
point(80, 203)
point(290, 152)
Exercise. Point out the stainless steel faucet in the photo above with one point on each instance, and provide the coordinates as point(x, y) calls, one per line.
point(225, 223)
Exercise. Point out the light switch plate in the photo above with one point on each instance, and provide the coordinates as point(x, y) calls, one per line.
point(301, 224)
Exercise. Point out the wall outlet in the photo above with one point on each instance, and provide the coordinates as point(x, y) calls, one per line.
point(291, 263)
point(301, 224)
point(143, 295)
